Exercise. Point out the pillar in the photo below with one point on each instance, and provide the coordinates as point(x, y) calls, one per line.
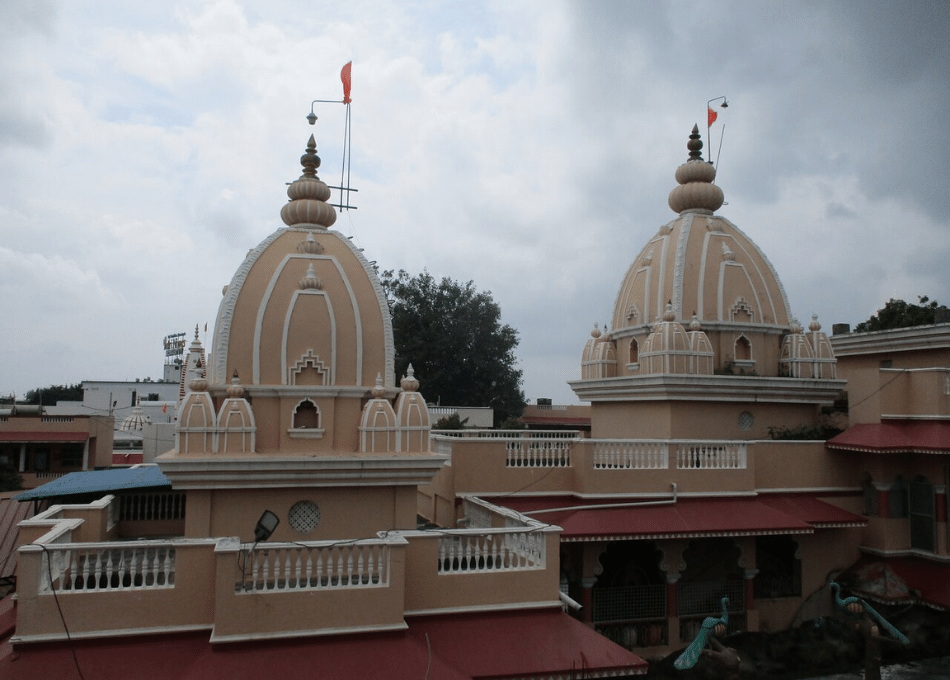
point(23, 457)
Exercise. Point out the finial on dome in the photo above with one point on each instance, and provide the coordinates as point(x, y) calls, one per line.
point(695, 145)
point(696, 191)
point(235, 391)
point(694, 325)
point(595, 331)
point(814, 326)
point(196, 331)
point(310, 281)
point(796, 327)
point(308, 195)
point(669, 314)
point(409, 383)
point(310, 160)
point(378, 390)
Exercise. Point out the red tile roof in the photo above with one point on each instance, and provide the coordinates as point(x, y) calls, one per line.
point(895, 436)
point(523, 644)
point(813, 510)
point(689, 517)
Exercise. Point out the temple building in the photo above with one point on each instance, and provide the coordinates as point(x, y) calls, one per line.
point(289, 538)
point(318, 521)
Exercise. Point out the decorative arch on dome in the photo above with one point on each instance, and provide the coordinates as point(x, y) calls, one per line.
point(634, 352)
point(309, 370)
point(742, 311)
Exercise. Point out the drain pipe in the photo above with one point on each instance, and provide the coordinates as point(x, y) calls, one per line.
point(603, 506)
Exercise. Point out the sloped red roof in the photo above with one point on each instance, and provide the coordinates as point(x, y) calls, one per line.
point(895, 436)
point(686, 518)
point(11, 514)
point(523, 644)
point(813, 510)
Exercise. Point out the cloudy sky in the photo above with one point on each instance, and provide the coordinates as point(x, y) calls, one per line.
point(527, 146)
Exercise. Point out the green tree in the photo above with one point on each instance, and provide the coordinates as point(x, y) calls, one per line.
point(10, 479)
point(900, 314)
point(452, 335)
point(55, 393)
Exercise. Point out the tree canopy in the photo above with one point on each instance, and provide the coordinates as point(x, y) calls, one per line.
point(900, 314)
point(452, 335)
point(54, 393)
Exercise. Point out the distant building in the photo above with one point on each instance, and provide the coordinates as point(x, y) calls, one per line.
point(42, 447)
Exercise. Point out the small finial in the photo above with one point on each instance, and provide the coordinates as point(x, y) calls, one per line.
point(378, 390)
point(196, 331)
point(695, 145)
point(814, 326)
point(310, 160)
point(669, 314)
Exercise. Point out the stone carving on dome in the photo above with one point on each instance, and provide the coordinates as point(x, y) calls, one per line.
point(310, 245)
point(742, 311)
point(727, 254)
point(648, 258)
point(633, 314)
point(311, 281)
point(309, 370)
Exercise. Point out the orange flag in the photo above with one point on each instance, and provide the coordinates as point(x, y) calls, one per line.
point(345, 77)
point(711, 116)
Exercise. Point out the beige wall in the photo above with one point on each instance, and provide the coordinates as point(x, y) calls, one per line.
point(345, 512)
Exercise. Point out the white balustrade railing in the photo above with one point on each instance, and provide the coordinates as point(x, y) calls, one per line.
point(292, 567)
point(539, 452)
point(629, 454)
point(466, 552)
point(711, 455)
point(509, 434)
point(96, 567)
point(655, 454)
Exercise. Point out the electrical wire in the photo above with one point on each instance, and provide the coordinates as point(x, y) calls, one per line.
point(52, 587)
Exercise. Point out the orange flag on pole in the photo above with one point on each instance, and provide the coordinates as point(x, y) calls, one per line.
point(711, 116)
point(345, 77)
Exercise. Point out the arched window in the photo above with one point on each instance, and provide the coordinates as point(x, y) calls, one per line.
point(306, 416)
point(897, 499)
point(634, 351)
point(743, 349)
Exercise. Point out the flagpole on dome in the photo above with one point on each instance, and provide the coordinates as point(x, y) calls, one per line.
point(345, 77)
point(711, 117)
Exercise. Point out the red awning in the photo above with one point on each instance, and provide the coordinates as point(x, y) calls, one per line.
point(815, 511)
point(687, 518)
point(928, 581)
point(895, 436)
point(525, 644)
point(34, 436)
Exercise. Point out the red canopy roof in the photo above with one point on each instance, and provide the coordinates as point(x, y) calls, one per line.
point(895, 436)
point(35, 436)
point(523, 644)
point(687, 518)
point(928, 578)
point(813, 510)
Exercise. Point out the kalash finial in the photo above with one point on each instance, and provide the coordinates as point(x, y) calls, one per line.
point(311, 161)
point(695, 145)
point(308, 195)
point(696, 191)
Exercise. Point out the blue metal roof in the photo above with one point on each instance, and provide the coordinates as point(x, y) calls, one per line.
point(98, 481)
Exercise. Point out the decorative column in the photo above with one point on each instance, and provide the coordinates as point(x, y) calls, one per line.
point(85, 454)
point(748, 565)
point(590, 570)
point(673, 564)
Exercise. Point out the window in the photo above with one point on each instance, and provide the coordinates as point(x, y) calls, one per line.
point(922, 512)
point(307, 416)
point(743, 349)
point(70, 458)
point(634, 351)
point(871, 505)
point(304, 516)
